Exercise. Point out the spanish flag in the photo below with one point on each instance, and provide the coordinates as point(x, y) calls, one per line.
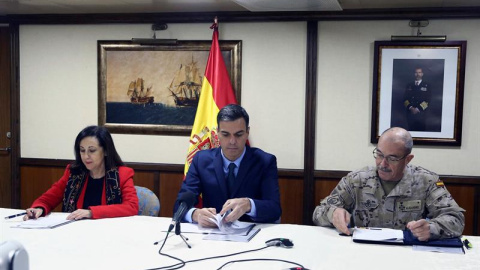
point(216, 92)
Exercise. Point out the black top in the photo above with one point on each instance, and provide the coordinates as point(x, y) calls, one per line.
point(93, 193)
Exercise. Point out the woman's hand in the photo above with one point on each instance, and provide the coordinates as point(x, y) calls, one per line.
point(80, 214)
point(33, 213)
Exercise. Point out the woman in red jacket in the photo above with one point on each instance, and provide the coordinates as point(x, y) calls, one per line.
point(96, 185)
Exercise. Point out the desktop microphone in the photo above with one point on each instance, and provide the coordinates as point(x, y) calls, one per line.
point(13, 256)
point(186, 201)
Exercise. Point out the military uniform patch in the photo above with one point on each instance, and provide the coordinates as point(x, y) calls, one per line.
point(369, 204)
point(333, 200)
point(409, 206)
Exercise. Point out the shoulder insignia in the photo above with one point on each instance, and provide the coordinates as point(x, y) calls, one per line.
point(440, 183)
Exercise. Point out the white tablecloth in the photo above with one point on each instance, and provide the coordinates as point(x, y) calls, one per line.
point(127, 243)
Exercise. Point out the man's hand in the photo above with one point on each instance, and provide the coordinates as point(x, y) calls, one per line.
point(341, 219)
point(202, 217)
point(80, 214)
point(420, 229)
point(33, 213)
point(238, 206)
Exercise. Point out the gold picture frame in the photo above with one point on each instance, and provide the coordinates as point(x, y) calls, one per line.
point(154, 88)
point(419, 86)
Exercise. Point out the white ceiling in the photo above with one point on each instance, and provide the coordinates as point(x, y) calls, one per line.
point(159, 6)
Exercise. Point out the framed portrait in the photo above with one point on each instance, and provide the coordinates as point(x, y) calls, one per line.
point(419, 86)
point(154, 88)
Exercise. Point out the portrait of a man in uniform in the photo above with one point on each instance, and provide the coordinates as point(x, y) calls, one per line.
point(417, 91)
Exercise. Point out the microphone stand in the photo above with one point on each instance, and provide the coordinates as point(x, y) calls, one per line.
point(177, 232)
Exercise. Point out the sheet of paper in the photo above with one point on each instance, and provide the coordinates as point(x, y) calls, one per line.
point(377, 234)
point(241, 228)
point(233, 237)
point(49, 222)
point(455, 250)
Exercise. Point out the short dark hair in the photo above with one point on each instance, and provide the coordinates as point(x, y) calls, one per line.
point(232, 112)
point(112, 159)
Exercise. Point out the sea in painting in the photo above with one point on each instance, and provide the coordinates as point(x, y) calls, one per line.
point(149, 113)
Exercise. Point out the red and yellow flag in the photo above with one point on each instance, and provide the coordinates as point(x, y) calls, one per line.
point(216, 92)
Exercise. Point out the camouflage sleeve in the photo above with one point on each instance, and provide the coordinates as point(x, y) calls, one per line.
point(446, 217)
point(341, 197)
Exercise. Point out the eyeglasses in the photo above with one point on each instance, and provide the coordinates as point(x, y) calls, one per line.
point(390, 159)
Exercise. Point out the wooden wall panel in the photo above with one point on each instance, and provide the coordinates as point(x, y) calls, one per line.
point(170, 183)
point(291, 199)
point(476, 214)
point(35, 181)
point(145, 179)
point(323, 188)
point(465, 197)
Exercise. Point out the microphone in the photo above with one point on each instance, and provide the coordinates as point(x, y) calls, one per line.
point(186, 201)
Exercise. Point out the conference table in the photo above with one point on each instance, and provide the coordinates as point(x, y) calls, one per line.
point(128, 243)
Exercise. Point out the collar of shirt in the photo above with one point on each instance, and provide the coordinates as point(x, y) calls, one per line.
point(227, 162)
point(418, 82)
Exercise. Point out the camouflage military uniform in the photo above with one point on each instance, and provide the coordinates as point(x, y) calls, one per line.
point(420, 194)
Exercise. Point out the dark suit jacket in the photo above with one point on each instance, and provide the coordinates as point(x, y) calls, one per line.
point(257, 179)
point(417, 95)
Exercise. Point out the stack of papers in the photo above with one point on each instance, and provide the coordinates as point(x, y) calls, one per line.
point(235, 227)
point(48, 222)
point(236, 231)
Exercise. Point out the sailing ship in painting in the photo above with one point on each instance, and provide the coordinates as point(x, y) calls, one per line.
point(186, 85)
point(138, 94)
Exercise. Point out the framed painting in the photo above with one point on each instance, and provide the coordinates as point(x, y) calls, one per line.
point(154, 88)
point(419, 86)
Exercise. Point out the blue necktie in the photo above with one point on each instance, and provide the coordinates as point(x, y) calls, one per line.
point(231, 178)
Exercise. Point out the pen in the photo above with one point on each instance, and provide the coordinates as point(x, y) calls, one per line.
point(371, 228)
point(17, 215)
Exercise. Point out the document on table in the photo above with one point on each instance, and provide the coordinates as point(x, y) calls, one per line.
point(378, 235)
point(51, 221)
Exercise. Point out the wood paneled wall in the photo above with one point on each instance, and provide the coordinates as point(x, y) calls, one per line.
point(37, 175)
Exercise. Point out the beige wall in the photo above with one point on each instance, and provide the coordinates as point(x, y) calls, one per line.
point(346, 51)
point(58, 78)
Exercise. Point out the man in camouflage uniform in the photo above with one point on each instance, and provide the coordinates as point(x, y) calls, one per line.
point(393, 194)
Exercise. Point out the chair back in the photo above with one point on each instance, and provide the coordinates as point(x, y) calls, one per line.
point(148, 203)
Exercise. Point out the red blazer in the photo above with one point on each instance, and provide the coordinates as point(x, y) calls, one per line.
point(129, 206)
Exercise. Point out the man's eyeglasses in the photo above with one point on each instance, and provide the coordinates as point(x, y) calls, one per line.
point(390, 159)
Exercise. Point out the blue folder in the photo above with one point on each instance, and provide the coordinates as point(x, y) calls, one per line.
point(409, 239)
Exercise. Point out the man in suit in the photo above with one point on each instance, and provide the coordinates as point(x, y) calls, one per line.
point(416, 101)
point(249, 188)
